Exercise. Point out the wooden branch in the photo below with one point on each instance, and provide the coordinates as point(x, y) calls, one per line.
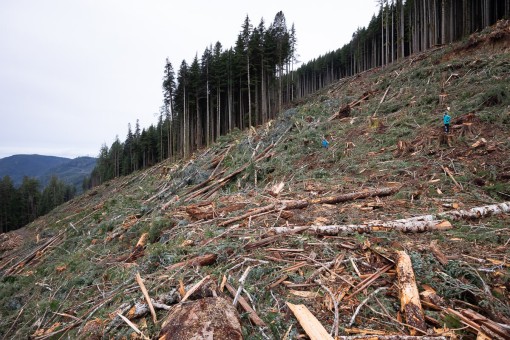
point(309, 322)
point(140, 308)
point(252, 315)
point(382, 100)
point(223, 181)
point(410, 304)
point(362, 303)
point(369, 280)
point(133, 326)
point(379, 192)
point(472, 326)
point(334, 329)
point(36, 253)
point(147, 297)
point(477, 212)
point(220, 161)
point(449, 173)
point(194, 288)
point(503, 332)
point(251, 212)
point(271, 239)
point(241, 285)
point(438, 253)
point(203, 260)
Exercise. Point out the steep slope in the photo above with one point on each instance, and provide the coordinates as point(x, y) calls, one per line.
point(212, 218)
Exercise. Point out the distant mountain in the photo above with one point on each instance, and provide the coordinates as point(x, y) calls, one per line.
point(71, 171)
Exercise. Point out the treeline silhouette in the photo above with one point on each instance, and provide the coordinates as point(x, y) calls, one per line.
point(20, 206)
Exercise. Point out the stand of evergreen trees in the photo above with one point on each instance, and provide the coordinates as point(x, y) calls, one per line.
point(222, 90)
point(248, 84)
point(400, 29)
point(20, 206)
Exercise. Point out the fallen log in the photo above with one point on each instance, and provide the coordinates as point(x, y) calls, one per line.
point(203, 260)
point(499, 330)
point(379, 192)
point(411, 225)
point(477, 212)
point(147, 297)
point(391, 337)
point(301, 204)
point(410, 304)
point(399, 225)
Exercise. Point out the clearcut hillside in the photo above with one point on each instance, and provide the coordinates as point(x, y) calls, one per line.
point(327, 228)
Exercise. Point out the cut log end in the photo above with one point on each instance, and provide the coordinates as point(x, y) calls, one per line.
point(209, 318)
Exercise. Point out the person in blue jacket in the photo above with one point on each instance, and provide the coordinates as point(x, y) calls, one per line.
point(325, 143)
point(446, 120)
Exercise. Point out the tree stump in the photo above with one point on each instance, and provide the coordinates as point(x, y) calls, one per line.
point(446, 139)
point(403, 148)
point(208, 318)
point(466, 129)
point(373, 123)
point(349, 146)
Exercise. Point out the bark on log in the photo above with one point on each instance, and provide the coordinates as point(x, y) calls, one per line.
point(391, 337)
point(410, 304)
point(400, 225)
point(203, 260)
point(355, 195)
point(413, 224)
point(301, 204)
point(478, 212)
point(494, 327)
point(139, 248)
point(208, 318)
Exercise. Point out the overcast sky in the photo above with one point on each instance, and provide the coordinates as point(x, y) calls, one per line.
point(74, 73)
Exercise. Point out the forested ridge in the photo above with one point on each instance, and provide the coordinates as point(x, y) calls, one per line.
point(248, 84)
point(20, 206)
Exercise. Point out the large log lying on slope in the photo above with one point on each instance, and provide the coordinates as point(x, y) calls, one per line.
point(301, 204)
point(400, 225)
point(410, 304)
point(413, 224)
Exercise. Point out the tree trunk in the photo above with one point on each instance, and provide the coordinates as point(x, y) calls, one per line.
point(410, 304)
point(409, 226)
point(249, 90)
point(443, 24)
point(413, 224)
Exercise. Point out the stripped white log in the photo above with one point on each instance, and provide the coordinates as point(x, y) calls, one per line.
point(409, 225)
